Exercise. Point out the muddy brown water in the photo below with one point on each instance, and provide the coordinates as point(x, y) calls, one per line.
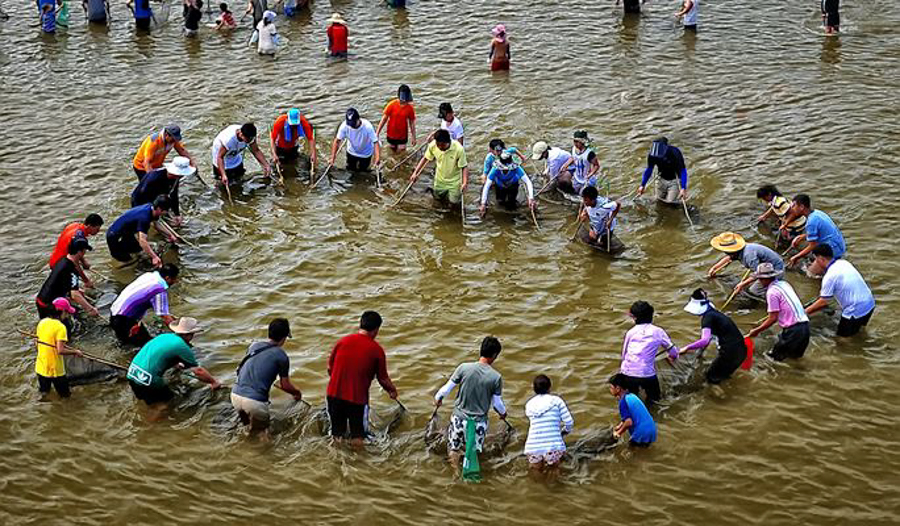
point(758, 96)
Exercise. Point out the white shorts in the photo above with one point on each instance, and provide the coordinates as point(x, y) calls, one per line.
point(257, 410)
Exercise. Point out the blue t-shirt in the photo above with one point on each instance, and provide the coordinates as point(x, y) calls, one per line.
point(138, 219)
point(506, 178)
point(643, 430)
point(821, 229)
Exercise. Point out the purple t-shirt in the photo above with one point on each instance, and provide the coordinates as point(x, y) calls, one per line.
point(781, 298)
point(639, 350)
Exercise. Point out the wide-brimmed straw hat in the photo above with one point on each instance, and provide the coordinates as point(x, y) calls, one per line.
point(180, 166)
point(728, 242)
point(185, 325)
point(767, 270)
point(337, 19)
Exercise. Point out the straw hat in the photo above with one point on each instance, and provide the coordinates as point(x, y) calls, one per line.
point(767, 270)
point(185, 325)
point(728, 242)
point(336, 19)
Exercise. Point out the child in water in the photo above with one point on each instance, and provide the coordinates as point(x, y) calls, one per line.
point(635, 417)
point(499, 56)
point(62, 13)
point(549, 421)
point(48, 19)
point(225, 22)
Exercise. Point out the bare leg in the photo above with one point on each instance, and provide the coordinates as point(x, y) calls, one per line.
point(454, 458)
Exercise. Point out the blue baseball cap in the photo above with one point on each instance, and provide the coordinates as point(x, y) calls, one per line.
point(293, 117)
point(352, 117)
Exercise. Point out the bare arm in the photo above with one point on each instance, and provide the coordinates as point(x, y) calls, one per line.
point(721, 264)
point(418, 171)
point(204, 376)
point(381, 124)
point(182, 151)
point(773, 317)
point(79, 298)
point(412, 130)
point(260, 157)
point(817, 305)
point(285, 385)
point(145, 246)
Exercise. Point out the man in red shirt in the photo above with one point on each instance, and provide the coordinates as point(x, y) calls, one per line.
point(400, 117)
point(286, 134)
point(337, 36)
point(90, 227)
point(354, 362)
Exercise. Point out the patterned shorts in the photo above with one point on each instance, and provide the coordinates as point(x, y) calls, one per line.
point(457, 433)
point(550, 458)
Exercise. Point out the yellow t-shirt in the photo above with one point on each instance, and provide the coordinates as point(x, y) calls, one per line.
point(448, 165)
point(49, 362)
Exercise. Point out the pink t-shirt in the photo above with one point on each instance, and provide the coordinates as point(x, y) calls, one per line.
point(640, 347)
point(781, 298)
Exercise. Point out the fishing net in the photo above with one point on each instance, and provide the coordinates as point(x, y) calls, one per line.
point(685, 375)
point(81, 371)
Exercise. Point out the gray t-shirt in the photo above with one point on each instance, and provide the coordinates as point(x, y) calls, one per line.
point(258, 373)
point(755, 254)
point(478, 383)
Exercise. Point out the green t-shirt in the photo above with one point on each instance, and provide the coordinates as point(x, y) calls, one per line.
point(158, 356)
point(448, 165)
point(478, 383)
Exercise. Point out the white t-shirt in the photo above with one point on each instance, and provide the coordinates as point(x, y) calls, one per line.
point(843, 282)
point(455, 128)
point(556, 157)
point(228, 139)
point(598, 215)
point(266, 38)
point(361, 141)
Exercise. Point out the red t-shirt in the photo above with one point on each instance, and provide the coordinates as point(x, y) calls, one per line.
point(278, 132)
point(356, 360)
point(398, 114)
point(337, 35)
point(62, 244)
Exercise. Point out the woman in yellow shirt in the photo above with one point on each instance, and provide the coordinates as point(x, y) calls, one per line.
point(51, 346)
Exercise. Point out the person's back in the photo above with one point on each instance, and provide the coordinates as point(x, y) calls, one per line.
point(546, 414)
point(96, 11)
point(266, 361)
point(48, 20)
point(478, 382)
point(643, 429)
point(258, 7)
point(337, 39)
point(70, 232)
point(822, 229)
point(192, 20)
point(355, 361)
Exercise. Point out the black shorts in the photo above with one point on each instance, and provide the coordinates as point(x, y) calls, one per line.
point(151, 395)
point(726, 363)
point(287, 154)
point(142, 23)
point(650, 385)
point(139, 173)
point(833, 19)
point(632, 6)
point(692, 29)
point(122, 248)
point(850, 326)
point(234, 175)
point(398, 142)
point(60, 383)
point(792, 342)
point(506, 197)
point(344, 414)
point(358, 164)
point(122, 327)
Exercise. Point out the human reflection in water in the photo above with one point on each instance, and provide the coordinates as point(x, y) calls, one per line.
point(831, 50)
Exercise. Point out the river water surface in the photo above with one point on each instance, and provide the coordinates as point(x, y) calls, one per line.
point(758, 96)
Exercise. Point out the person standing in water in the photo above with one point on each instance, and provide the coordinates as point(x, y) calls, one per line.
point(672, 172)
point(268, 34)
point(505, 176)
point(499, 55)
point(362, 142)
point(785, 308)
point(152, 152)
point(225, 22)
point(400, 117)
point(586, 164)
point(285, 138)
point(451, 173)
point(639, 349)
point(96, 11)
point(600, 214)
point(632, 7)
point(337, 34)
point(142, 14)
point(549, 420)
point(256, 8)
point(831, 16)
point(449, 122)
point(52, 337)
point(732, 349)
point(688, 15)
point(193, 16)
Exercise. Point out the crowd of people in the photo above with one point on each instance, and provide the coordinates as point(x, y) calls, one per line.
point(358, 359)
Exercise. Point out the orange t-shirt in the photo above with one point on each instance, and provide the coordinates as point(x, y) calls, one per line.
point(278, 132)
point(155, 148)
point(62, 244)
point(397, 114)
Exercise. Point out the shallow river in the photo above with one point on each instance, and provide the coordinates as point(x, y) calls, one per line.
point(758, 96)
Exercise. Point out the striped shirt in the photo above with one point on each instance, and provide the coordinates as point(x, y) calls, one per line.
point(146, 291)
point(547, 415)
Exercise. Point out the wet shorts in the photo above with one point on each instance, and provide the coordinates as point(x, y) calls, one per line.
point(550, 457)
point(344, 415)
point(398, 142)
point(258, 411)
point(151, 395)
point(447, 196)
point(456, 434)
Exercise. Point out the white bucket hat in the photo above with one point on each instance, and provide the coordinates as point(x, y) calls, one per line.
point(180, 166)
point(185, 325)
point(698, 307)
point(538, 150)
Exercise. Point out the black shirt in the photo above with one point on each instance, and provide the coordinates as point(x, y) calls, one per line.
point(669, 166)
point(193, 17)
point(730, 337)
point(62, 280)
point(155, 184)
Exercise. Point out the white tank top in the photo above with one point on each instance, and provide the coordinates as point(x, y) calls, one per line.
point(582, 164)
point(690, 18)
